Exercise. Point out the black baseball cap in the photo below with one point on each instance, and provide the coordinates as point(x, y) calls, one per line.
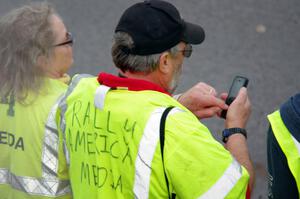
point(156, 26)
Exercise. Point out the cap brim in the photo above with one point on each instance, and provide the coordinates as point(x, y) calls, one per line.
point(193, 34)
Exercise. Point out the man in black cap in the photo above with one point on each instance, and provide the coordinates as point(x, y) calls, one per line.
point(126, 137)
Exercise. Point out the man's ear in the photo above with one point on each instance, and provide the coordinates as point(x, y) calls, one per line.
point(164, 63)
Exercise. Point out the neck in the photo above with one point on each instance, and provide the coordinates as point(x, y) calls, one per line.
point(54, 74)
point(153, 77)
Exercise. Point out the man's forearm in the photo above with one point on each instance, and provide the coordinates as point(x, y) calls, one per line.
point(237, 146)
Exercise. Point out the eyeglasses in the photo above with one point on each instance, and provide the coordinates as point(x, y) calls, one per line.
point(187, 51)
point(70, 40)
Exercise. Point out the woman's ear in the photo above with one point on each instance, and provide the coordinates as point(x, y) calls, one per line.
point(164, 63)
point(42, 61)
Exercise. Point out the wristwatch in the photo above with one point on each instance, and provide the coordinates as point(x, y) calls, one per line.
point(228, 132)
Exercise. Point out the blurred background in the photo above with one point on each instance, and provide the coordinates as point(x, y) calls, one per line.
point(256, 38)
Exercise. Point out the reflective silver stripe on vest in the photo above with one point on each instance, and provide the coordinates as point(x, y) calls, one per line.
point(35, 186)
point(63, 106)
point(225, 183)
point(4, 176)
point(50, 145)
point(297, 144)
point(100, 96)
point(48, 184)
point(146, 151)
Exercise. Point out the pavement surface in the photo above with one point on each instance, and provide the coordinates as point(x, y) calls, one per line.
point(256, 38)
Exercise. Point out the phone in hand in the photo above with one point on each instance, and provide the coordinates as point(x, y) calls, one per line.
point(237, 84)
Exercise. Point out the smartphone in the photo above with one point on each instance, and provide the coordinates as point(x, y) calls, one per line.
point(237, 83)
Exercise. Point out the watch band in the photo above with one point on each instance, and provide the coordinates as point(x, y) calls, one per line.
point(228, 132)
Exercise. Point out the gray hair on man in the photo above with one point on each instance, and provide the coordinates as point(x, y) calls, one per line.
point(25, 35)
point(130, 62)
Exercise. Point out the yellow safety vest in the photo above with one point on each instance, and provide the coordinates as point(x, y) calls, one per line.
point(112, 138)
point(31, 159)
point(288, 144)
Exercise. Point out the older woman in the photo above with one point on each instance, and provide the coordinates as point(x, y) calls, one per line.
point(35, 54)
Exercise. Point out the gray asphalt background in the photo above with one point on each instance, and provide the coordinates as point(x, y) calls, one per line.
point(256, 38)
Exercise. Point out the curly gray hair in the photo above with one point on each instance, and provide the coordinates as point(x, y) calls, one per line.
point(25, 34)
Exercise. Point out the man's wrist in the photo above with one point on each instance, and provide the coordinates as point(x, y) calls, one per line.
point(231, 131)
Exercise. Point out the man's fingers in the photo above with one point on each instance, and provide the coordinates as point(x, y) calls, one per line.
point(242, 95)
point(214, 101)
point(206, 89)
point(212, 91)
point(223, 96)
point(207, 112)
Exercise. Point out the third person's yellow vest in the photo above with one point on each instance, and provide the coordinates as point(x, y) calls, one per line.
point(288, 144)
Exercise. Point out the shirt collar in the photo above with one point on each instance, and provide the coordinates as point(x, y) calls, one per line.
point(128, 83)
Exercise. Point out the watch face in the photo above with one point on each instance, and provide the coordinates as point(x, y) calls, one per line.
point(226, 133)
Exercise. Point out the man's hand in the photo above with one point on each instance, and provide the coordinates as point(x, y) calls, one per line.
point(239, 111)
point(202, 100)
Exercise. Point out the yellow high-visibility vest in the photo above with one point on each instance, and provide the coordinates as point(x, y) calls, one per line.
point(112, 142)
point(31, 157)
point(288, 144)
